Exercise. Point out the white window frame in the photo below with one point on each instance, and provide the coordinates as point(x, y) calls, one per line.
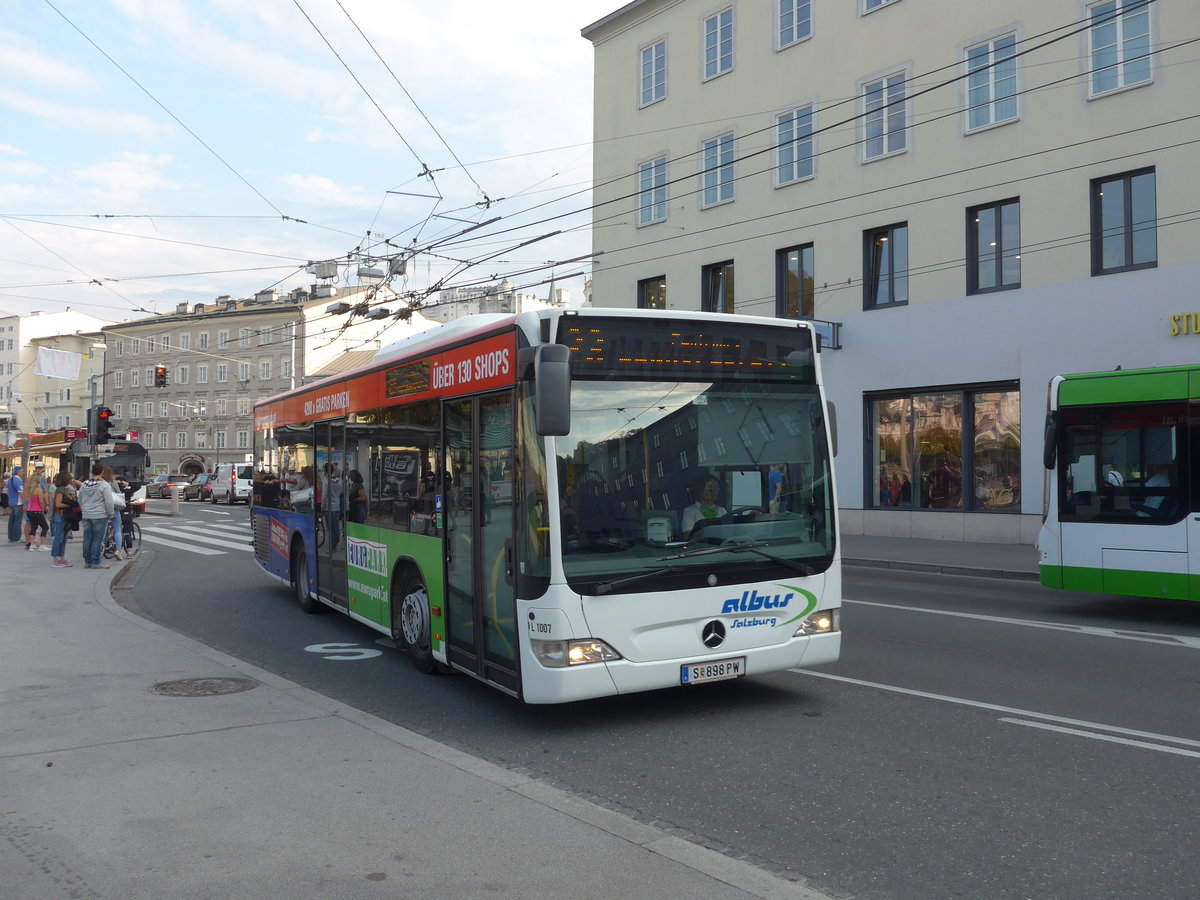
point(181, 440)
point(181, 375)
point(202, 340)
point(219, 440)
point(800, 27)
point(980, 93)
point(869, 6)
point(244, 371)
point(135, 376)
point(714, 62)
point(222, 373)
point(652, 73)
point(243, 440)
point(1124, 58)
point(118, 379)
point(202, 373)
point(264, 370)
point(717, 175)
point(890, 86)
point(222, 339)
point(652, 191)
point(244, 335)
point(802, 158)
point(164, 439)
point(185, 341)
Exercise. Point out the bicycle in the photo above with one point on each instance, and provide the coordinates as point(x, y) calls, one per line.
point(132, 538)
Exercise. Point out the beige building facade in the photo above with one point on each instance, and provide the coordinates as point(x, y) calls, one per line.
point(971, 197)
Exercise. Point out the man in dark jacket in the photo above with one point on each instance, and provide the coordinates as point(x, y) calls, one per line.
point(16, 512)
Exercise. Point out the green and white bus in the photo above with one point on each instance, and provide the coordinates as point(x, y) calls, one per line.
point(569, 503)
point(1123, 499)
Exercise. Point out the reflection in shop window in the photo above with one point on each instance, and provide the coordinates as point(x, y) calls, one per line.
point(947, 450)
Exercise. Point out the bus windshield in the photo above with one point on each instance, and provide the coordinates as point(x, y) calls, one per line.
point(682, 479)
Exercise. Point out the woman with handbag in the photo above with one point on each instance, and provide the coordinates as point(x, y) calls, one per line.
point(64, 500)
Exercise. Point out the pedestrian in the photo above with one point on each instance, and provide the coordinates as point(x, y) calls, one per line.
point(16, 512)
point(118, 529)
point(34, 501)
point(358, 498)
point(64, 498)
point(333, 497)
point(96, 503)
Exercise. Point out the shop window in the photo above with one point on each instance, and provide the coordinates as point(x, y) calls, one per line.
point(946, 449)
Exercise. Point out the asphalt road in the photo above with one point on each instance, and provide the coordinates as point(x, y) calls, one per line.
point(979, 738)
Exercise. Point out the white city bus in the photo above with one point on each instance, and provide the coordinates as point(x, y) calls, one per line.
point(1123, 498)
point(567, 504)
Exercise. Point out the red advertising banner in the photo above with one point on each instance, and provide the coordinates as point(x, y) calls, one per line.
point(485, 365)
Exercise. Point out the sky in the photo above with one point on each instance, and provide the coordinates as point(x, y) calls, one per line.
point(157, 152)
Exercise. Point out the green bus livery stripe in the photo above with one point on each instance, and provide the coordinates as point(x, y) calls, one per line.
point(1130, 387)
point(1127, 582)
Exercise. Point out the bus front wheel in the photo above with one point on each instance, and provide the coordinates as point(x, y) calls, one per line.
point(410, 621)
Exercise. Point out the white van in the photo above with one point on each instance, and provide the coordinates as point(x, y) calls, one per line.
point(232, 482)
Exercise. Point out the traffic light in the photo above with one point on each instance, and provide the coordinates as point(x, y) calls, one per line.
point(160, 376)
point(104, 417)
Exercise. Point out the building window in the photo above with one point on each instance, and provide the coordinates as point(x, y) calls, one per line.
point(872, 5)
point(718, 44)
point(264, 370)
point(181, 375)
point(164, 410)
point(946, 449)
point(185, 342)
point(794, 282)
point(134, 377)
point(717, 287)
point(201, 440)
point(148, 410)
point(885, 264)
point(992, 82)
point(795, 21)
point(1124, 223)
point(202, 374)
point(164, 343)
point(135, 347)
point(243, 371)
point(202, 340)
point(118, 379)
point(652, 293)
point(654, 73)
point(162, 440)
point(221, 406)
point(222, 340)
point(794, 145)
point(119, 348)
point(718, 170)
point(148, 440)
point(244, 337)
point(994, 247)
point(222, 372)
point(652, 191)
point(181, 440)
point(243, 440)
point(264, 337)
point(286, 369)
point(243, 406)
point(134, 409)
point(1119, 45)
point(220, 440)
point(885, 116)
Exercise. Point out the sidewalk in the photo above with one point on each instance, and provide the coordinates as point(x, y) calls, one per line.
point(135, 762)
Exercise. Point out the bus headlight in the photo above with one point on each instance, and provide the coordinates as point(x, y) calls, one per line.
point(559, 654)
point(823, 621)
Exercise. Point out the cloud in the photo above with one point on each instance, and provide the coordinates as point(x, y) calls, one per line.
point(125, 181)
point(82, 118)
point(319, 189)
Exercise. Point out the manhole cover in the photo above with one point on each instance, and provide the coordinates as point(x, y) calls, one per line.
point(203, 687)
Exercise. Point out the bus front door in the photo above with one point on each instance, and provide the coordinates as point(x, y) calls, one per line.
point(331, 471)
point(480, 602)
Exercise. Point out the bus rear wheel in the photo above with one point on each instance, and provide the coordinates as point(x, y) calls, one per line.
point(410, 621)
point(300, 590)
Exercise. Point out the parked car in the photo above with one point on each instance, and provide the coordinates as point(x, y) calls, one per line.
point(231, 482)
point(199, 488)
point(161, 486)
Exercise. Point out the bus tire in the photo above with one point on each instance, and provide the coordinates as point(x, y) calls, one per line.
point(410, 620)
point(300, 591)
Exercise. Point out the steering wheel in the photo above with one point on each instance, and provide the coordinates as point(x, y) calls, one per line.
point(737, 514)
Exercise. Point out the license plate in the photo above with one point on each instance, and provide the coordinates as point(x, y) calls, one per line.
point(717, 670)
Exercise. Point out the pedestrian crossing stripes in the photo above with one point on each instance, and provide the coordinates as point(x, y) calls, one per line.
point(203, 538)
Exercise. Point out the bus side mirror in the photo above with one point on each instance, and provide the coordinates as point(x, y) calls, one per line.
point(831, 426)
point(552, 389)
point(1050, 447)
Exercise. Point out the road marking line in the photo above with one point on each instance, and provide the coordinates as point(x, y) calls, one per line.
point(1104, 737)
point(193, 535)
point(992, 707)
point(155, 539)
point(1191, 643)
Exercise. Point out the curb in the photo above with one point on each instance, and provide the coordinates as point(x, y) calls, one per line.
point(935, 569)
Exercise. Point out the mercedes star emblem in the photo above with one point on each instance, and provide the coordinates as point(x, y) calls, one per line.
point(713, 635)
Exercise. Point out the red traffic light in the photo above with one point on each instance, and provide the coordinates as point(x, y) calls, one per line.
point(160, 376)
point(104, 413)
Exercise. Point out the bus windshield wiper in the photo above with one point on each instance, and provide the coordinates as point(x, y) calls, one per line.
point(746, 546)
point(606, 587)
